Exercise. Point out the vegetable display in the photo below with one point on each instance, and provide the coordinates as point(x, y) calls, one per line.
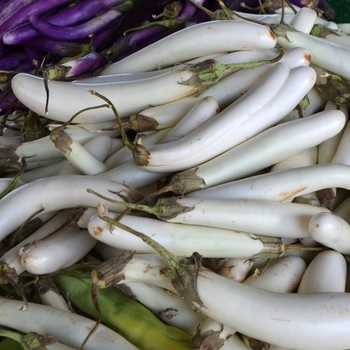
point(174, 175)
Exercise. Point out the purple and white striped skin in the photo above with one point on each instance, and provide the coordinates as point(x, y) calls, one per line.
point(77, 14)
point(81, 31)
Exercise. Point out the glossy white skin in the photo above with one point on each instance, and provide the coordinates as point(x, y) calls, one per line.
point(12, 257)
point(225, 91)
point(305, 158)
point(319, 319)
point(54, 299)
point(331, 231)
point(83, 160)
point(326, 273)
point(43, 148)
point(281, 275)
point(128, 97)
point(341, 155)
point(271, 146)
point(181, 240)
point(236, 123)
point(236, 56)
point(131, 175)
point(281, 185)
point(199, 114)
point(54, 193)
point(236, 269)
point(71, 329)
point(61, 250)
point(158, 300)
point(191, 42)
point(328, 148)
point(267, 218)
point(304, 20)
point(324, 53)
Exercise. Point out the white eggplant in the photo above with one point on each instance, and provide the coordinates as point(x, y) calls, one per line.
point(281, 185)
point(269, 147)
point(53, 193)
point(71, 329)
point(63, 249)
point(326, 273)
point(193, 41)
point(235, 124)
point(324, 53)
point(331, 231)
point(181, 240)
point(282, 275)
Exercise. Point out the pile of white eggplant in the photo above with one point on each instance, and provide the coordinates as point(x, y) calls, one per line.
point(239, 170)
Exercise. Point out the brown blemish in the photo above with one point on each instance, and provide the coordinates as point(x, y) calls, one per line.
point(98, 231)
point(290, 194)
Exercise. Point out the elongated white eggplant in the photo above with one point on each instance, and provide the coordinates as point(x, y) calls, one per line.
point(193, 41)
point(235, 124)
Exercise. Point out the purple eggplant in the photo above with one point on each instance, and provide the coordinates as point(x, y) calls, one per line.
point(74, 68)
point(36, 8)
point(140, 14)
point(80, 31)
point(11, 7)
point(151, 30)
point(71, 16)
point(60, 48)
point(9, 62)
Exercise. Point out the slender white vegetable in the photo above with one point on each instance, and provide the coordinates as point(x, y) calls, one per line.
point(269, 147)
point(77, 154)
point(238, 122)
point(12, 257)
point(75, 97)
point(54, 193)
point(304, 20)
point(181, 240)
point(70, 329)
point(236, 269)
point(199, 114)
point(324, 53)
point(277, 317)
point(43, 148)
point(341, 155)
point(131, 175)
point(316, 103)
point(50, 296)
point(282, 275)
point(274, 219)
point(307, 157)
point(236, 56)
point(331, 231)
point(319, 319)
point(281, 185)
point(169, 307)
point(327, 149)
point(326, 273)
point(58, 251)
point(193, 41)
point(225, 91)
